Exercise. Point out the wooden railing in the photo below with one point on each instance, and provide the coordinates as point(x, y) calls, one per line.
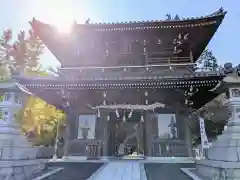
point(127, 149)
point(169, 148)
point(171, 60)
point(89, 148)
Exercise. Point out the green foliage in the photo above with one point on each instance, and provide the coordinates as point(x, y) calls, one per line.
point(213, 129)
point(1, 98)
point(39, 121)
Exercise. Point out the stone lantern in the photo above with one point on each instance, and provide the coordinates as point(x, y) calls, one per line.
point(223, 158)
point(14, 146)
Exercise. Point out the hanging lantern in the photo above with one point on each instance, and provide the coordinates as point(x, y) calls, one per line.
point(104, 96)
point(117, 113)
point(104, 102)
point(130, 114)
point(142, 119)
point(98, 113)
point(124, 118)
point(146, 95)
point(108, 118)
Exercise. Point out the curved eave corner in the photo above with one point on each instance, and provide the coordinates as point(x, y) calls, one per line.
point(24, 89)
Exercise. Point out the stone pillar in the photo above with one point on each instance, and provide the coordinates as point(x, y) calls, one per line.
point(223, 158)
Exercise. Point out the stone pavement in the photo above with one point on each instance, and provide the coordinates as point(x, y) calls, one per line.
point(120, 170)
point(74, 170)
point(167, 171)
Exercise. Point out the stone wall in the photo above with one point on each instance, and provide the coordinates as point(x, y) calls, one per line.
point(20, 170)
point(218, 172)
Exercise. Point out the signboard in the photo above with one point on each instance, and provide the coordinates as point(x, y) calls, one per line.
point(204, 140)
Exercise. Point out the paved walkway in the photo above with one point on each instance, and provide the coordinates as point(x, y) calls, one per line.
point(74, 171)
point(122, 170)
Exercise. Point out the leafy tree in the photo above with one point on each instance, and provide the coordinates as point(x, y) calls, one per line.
point(26, 51)
point(39, 121)
point(5, 60)
point(215, 115)
point(21, 56)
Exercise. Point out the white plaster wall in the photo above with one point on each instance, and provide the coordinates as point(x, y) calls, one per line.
point(87, 121)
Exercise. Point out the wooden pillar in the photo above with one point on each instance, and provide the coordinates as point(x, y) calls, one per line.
point(67, 135)
point(150, 131)
point(188, 137)
point(71, 118)
point(191, 56)
point(101, 131)
point(104, 132)
point(106, 135)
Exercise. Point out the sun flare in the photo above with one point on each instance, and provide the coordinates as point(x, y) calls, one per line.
point(64, 25)
point(60, 14)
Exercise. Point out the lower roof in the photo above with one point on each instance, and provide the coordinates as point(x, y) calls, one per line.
point(49, 90)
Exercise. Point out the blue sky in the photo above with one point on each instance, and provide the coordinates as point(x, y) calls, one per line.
point(15, 14)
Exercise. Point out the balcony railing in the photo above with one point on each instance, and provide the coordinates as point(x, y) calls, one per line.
point(125, 72)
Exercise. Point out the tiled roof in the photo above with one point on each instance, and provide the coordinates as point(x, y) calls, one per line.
point(220, 12)
point(170, 20)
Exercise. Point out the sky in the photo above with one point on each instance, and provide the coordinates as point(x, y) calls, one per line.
point(16, 14)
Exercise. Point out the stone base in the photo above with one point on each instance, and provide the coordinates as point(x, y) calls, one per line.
point(170, 159)
point(14, 145)
point(218, 170)
point(20, 170)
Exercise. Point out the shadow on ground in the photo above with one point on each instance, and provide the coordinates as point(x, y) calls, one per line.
point(74, 171)
point(166, 171)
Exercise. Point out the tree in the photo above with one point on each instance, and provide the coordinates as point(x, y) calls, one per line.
point(21, 56)
point(5, 59)
point(26, 51)
point(39, 121)
point(215, 115)
point(207, 61)
point(213, 128)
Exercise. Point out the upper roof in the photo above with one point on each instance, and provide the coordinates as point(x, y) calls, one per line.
point(170, 22)
point(64, 50)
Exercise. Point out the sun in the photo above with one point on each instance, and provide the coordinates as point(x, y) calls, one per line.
point(59, 14)
point(64, 25)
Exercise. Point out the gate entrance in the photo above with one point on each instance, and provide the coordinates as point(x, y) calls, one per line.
point(126, 136)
